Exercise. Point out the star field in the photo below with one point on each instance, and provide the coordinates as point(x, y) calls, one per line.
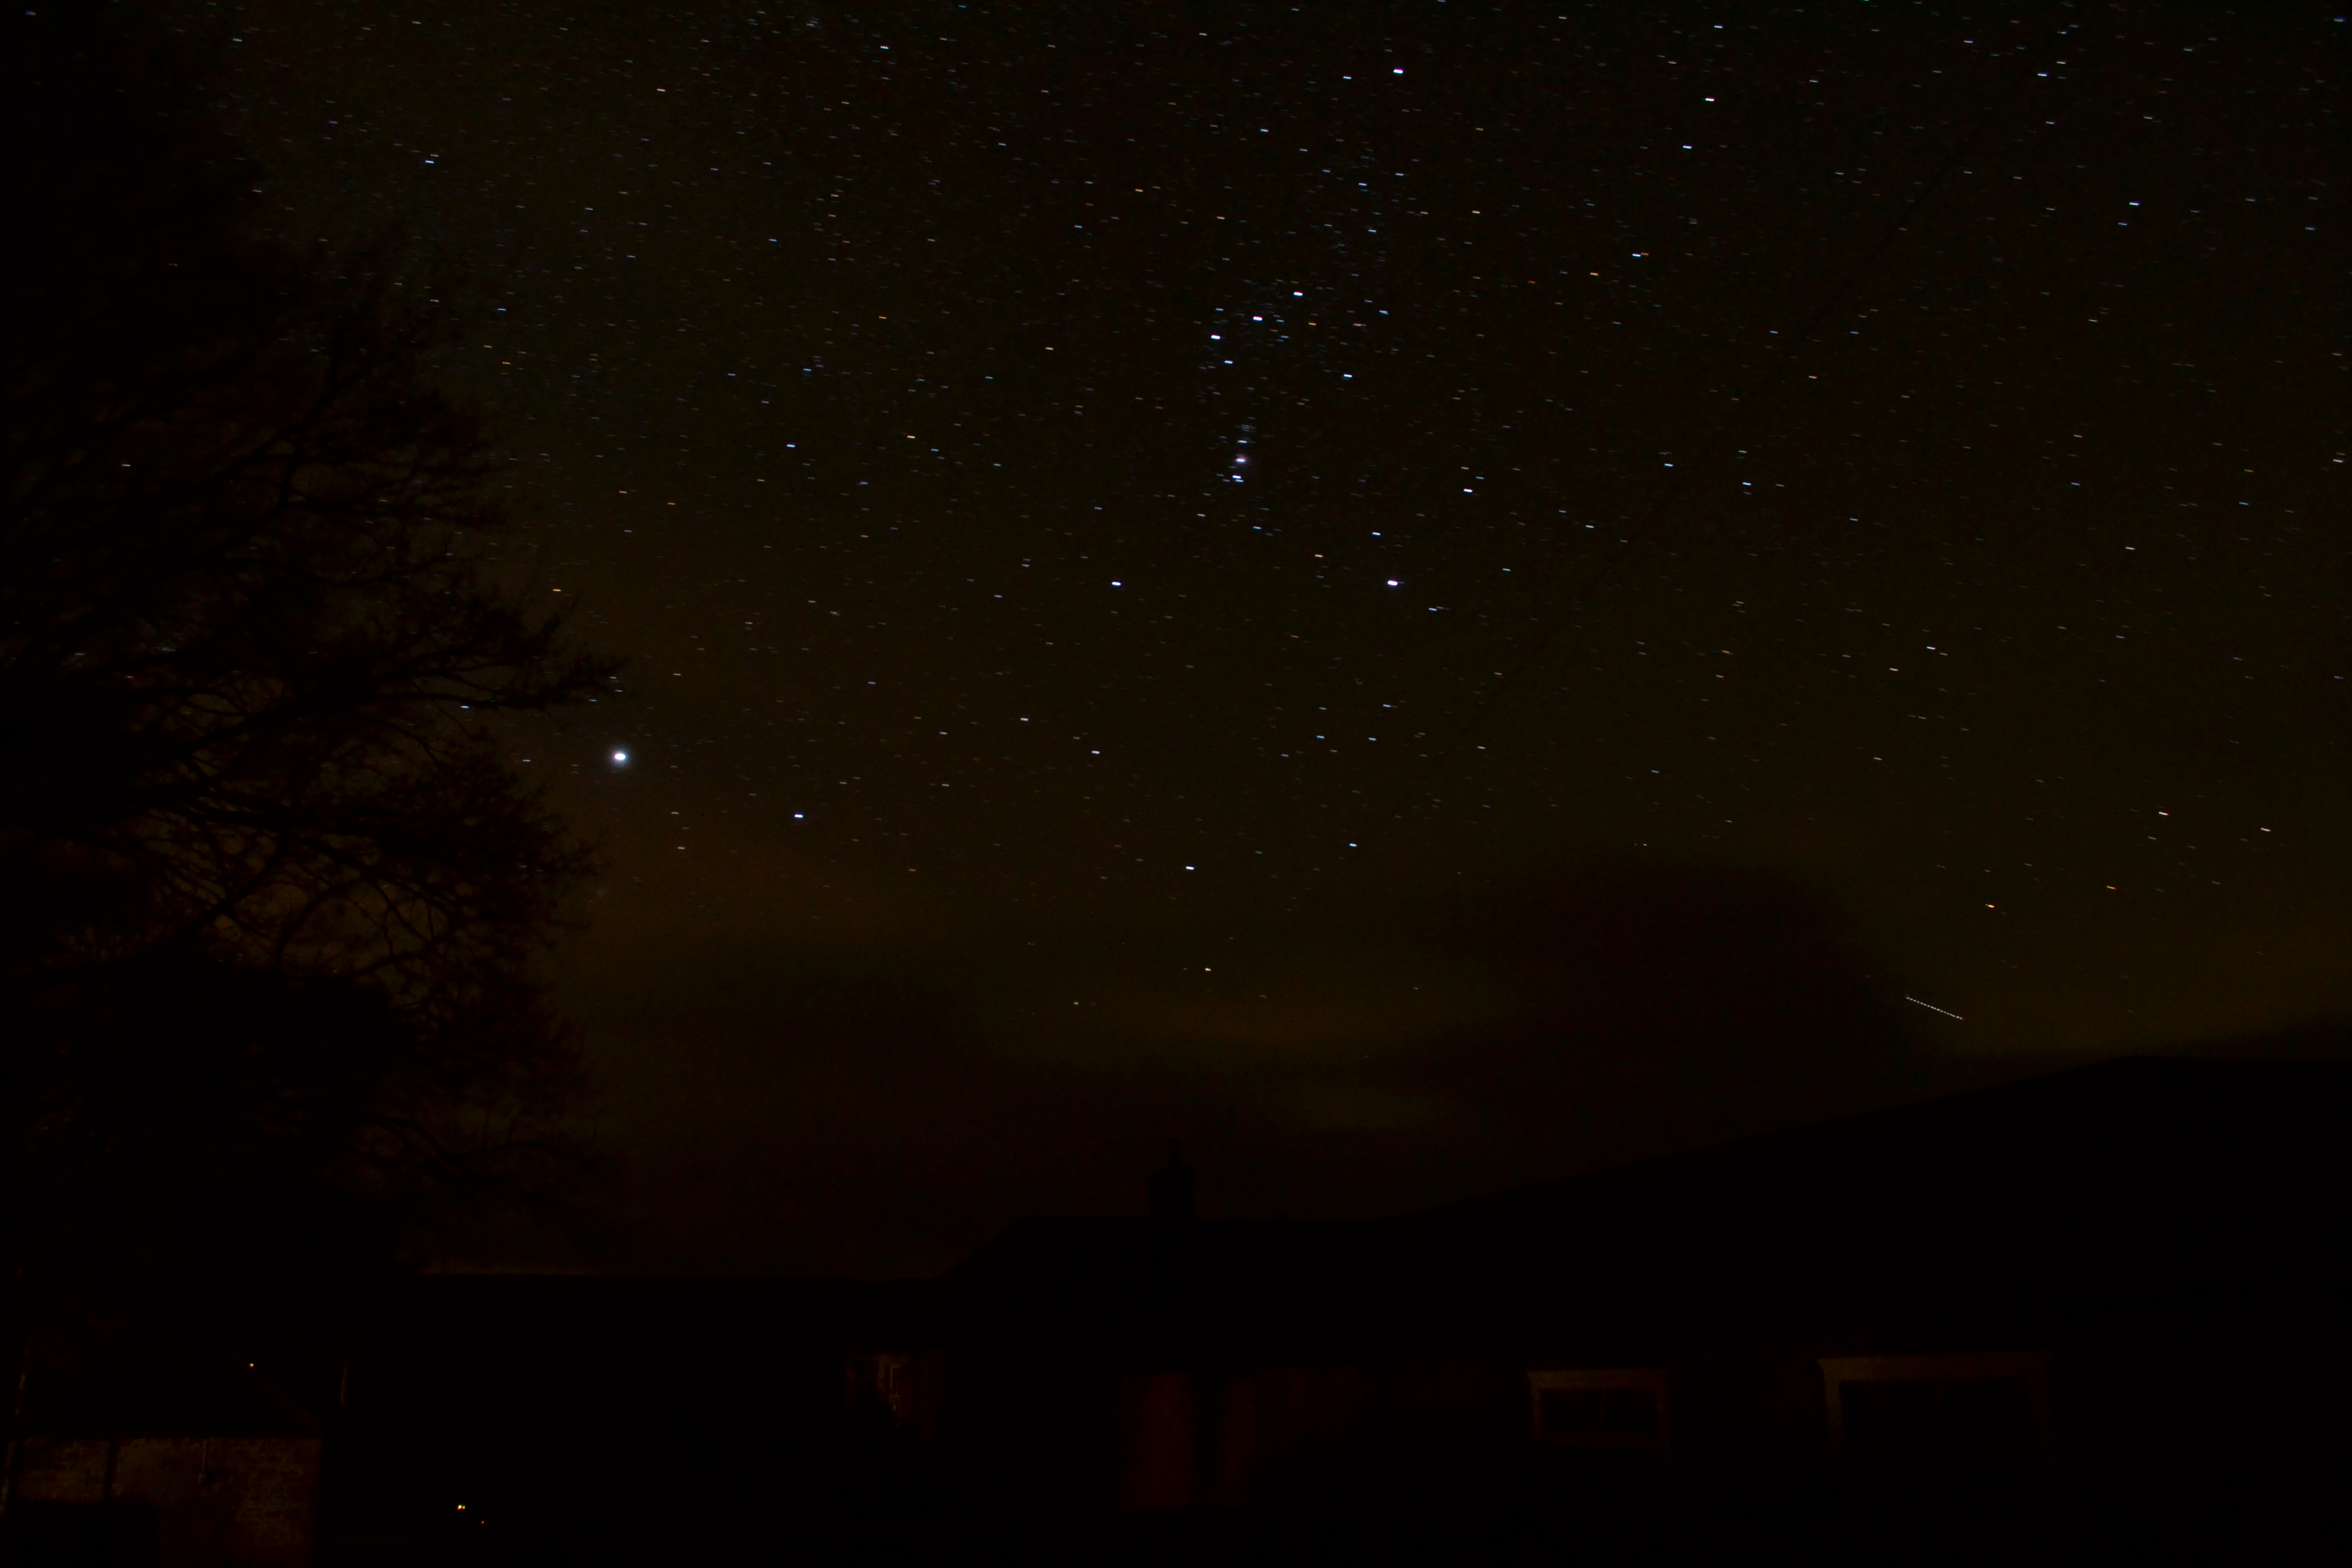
point(1140, 529)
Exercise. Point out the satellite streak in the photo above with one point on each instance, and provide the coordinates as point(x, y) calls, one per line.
point(1933, 1009)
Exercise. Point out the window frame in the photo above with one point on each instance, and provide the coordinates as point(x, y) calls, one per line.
point(2031, 1367)
point(1652, 1378)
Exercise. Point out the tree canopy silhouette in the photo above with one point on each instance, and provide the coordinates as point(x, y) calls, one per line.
point(270, 893)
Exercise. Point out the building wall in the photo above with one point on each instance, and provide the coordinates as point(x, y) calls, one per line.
point(1275, 1427)
point(251, 1502)
point(1748, 1420)
point(1286, 1436)
point(2148, 1430)
point(1030, 1430)
point(1160, 1442)
point(1746, 1426)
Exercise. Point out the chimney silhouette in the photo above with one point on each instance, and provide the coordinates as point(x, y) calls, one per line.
point(1171, 1188)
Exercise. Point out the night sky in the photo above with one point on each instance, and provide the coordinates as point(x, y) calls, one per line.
point(1421, 596)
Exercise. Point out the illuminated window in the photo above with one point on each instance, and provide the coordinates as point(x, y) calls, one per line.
point(1602, 1430)
point(1956, 1428)
point(884, 1382)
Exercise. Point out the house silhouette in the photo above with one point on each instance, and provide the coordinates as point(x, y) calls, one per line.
point(2095, 1312)
point(2114, 1294)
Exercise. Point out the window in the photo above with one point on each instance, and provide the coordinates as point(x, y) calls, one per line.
point(884, 1384)
point(1602, 1431)
point(1958, 1428)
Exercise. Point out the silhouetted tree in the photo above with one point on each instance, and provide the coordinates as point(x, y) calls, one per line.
point(269, 892)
